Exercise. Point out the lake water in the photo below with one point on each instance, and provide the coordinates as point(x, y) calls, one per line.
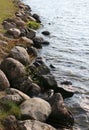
point(68, 22)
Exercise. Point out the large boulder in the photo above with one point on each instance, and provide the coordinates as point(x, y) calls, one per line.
point(26, 85)
point(14, 95)
point(35, 108)
point(60, 116)
point(33, 125)
point(20, 54)
point(4, 83)
point(12, 68)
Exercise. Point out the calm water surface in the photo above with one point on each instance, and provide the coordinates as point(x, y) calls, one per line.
point(68, 22)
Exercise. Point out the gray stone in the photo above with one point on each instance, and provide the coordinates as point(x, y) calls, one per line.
point(35, 108)
point(20, 54)
point(34, 125)
point(4, 83)
point(12, 68)
point(14, 32)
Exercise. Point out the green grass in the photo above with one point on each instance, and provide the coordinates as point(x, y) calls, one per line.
point(9, 108)
point(33, 25)
point(7, 9)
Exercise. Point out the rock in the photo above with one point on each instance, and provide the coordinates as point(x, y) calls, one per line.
point(46, 32)
point(38, 42)
point(31, 18)
point(34, 125)
point(12, 68)
point(66, 82)
point(8, 25)
point(23, 84)
point(14, 95)
point(48, 81)
point(36, 16)
point(4, 83)
point(29, 33)
point(60, 116)
point(45, 43)
point(17, 99)
point(26, 41)
point(12, 91)
point(66, 91)
point(35, 90)
point(14, 32)
point(3, 43)
point(19, 22)
point(32, 51)
point(35, 108)
point(10, 123)
point(20, 54)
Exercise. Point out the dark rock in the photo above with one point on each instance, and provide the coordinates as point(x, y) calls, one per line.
point(35, 108)
point(32, 51)
point(36, 16)
point(29, 33)
point(60, 116)
point(66, 82)
point(46, 33)
point(48, 81)
point(52, 66)
point(45, 43)
point(66, 93)
point(38, 42)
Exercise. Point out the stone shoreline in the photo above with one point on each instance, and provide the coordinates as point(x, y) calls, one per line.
point(27, 81)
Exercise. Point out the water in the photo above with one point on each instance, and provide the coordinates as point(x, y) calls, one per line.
point(68, 22)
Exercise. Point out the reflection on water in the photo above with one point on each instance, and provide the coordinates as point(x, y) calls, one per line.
point(68, 22)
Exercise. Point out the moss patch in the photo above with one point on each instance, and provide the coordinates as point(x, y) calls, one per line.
point(33, 25)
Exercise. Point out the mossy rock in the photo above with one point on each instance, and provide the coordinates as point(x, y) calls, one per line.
point(33, 25)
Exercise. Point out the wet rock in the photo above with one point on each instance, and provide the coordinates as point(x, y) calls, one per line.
point(4, 83)
point(20, 54)
point(32, 51)
point(14, 32)
point(36, 16)
point(45, 43)
point(66, 82)
point(48, 81)
point(35, 108)
point(52, 66)
point(46, 33)
point(38, 42)
point(60, 116)
point(34, 125)
point(12, 68)
point(65, 90)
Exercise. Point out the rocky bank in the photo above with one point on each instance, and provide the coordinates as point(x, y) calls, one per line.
point(26, 82)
